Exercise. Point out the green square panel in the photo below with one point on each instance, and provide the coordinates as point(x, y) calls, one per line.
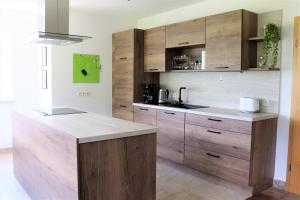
point(86, 68)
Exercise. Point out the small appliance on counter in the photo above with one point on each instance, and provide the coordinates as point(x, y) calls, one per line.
point(151, 94)
point(248, 104)
point(163, 96)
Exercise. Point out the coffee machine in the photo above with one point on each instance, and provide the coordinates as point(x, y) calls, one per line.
point(151, 94)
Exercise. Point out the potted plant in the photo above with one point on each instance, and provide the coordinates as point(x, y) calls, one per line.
point(270, 44)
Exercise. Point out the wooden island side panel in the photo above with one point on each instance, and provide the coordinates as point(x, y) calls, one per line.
point(45, 160)
point(118, 169)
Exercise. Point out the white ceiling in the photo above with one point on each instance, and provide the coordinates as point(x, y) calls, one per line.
point(134, 8)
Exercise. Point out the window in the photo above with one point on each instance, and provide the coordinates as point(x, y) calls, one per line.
point(6, 51)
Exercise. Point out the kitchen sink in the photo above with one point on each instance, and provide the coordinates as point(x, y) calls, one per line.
point(184, 106)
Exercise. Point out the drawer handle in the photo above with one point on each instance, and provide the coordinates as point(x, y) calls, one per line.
point(221, 67)
point(153, 69)
point(216, 132)
point(169, 113)
point(123, 58)
point(122, 106)
point(182, 43)
point(215, 120)
point(212, 155)
point(145, 109)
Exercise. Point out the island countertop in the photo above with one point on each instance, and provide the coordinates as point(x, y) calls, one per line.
point(90, 127)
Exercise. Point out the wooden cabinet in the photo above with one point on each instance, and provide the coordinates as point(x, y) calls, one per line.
point(170, 138)
point(145, 115)
point(186, 33)
point(128, 77)
point(239, 151)
point(227, 45)
point(154, 51)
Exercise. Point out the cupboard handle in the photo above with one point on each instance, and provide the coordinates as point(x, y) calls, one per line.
point(153, 69)
point(123, 58)
point(122, 106)
point(215, 120)
point(182, 43)
point(145, 109)
point(212, 155)
point(221, 67)
point(216, 132)
point(169, 113)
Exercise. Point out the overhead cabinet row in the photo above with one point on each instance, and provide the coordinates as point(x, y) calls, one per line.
point(224, 37)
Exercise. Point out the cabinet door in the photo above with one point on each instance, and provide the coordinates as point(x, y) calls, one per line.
point(123, 45)
point(170, 138)
point(154, 49)
point(186, 33)
point(224, 41)
point(144, 115)
point(122, 75)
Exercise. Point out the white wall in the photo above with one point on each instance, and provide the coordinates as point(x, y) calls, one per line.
point(21, 25)
point(290, 9)
point(26, 60)
point(101, 29)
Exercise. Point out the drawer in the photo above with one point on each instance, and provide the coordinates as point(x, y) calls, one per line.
point(226, 167)
point(219, 123)
point(229, 143)
point(171, 115)
point(145, 115)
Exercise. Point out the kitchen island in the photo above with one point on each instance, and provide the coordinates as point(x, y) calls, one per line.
point(83, 156)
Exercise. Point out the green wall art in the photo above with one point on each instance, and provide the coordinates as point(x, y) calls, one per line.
point(86, 68)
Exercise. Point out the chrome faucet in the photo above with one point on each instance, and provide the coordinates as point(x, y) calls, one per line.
point(179, 99)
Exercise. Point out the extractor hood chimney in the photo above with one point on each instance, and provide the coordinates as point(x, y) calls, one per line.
point(54, 24)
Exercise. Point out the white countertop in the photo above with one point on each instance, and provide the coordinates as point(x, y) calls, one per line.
point(217, 112)
point(91, 127)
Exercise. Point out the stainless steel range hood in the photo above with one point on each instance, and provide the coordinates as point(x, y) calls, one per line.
point(54, 24)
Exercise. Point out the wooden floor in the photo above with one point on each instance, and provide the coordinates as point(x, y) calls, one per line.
point(173, 183)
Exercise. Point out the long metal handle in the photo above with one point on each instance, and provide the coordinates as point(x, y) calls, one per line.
point(123, 58)
point(182, 43)
point(145, 109)
point(215, 120)
point(169, 113)
point(216, 132)
point(122, 106)
point(212, 155)
point(221, 67)
point(153, 69)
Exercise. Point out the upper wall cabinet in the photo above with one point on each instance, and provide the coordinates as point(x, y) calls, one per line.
point(227, 45)
point(154, 49)
point(186, 33)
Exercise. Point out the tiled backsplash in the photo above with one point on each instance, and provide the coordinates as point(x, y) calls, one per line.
point(224, 89)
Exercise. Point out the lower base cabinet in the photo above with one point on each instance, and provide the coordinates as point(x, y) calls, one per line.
point(238, 151)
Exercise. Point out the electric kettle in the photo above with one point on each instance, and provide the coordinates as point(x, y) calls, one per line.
point(163, 95)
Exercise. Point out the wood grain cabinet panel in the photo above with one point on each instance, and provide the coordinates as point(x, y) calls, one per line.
point(186, 33)
point(227, 45)
point(170, 138)
point(226, 167)
point(219, 123)
point(145, 115)
point(228, 143)
point(154, 50)
point(128, 77)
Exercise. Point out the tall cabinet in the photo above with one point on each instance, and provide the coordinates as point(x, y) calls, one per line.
point(128, 77)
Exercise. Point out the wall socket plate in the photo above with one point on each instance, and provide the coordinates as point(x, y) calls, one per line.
point(83, 94)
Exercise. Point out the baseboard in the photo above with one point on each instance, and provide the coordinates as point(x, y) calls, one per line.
point(279, 184)
point(5, 150)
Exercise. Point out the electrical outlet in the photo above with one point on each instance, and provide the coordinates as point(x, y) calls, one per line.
point(83, 94)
